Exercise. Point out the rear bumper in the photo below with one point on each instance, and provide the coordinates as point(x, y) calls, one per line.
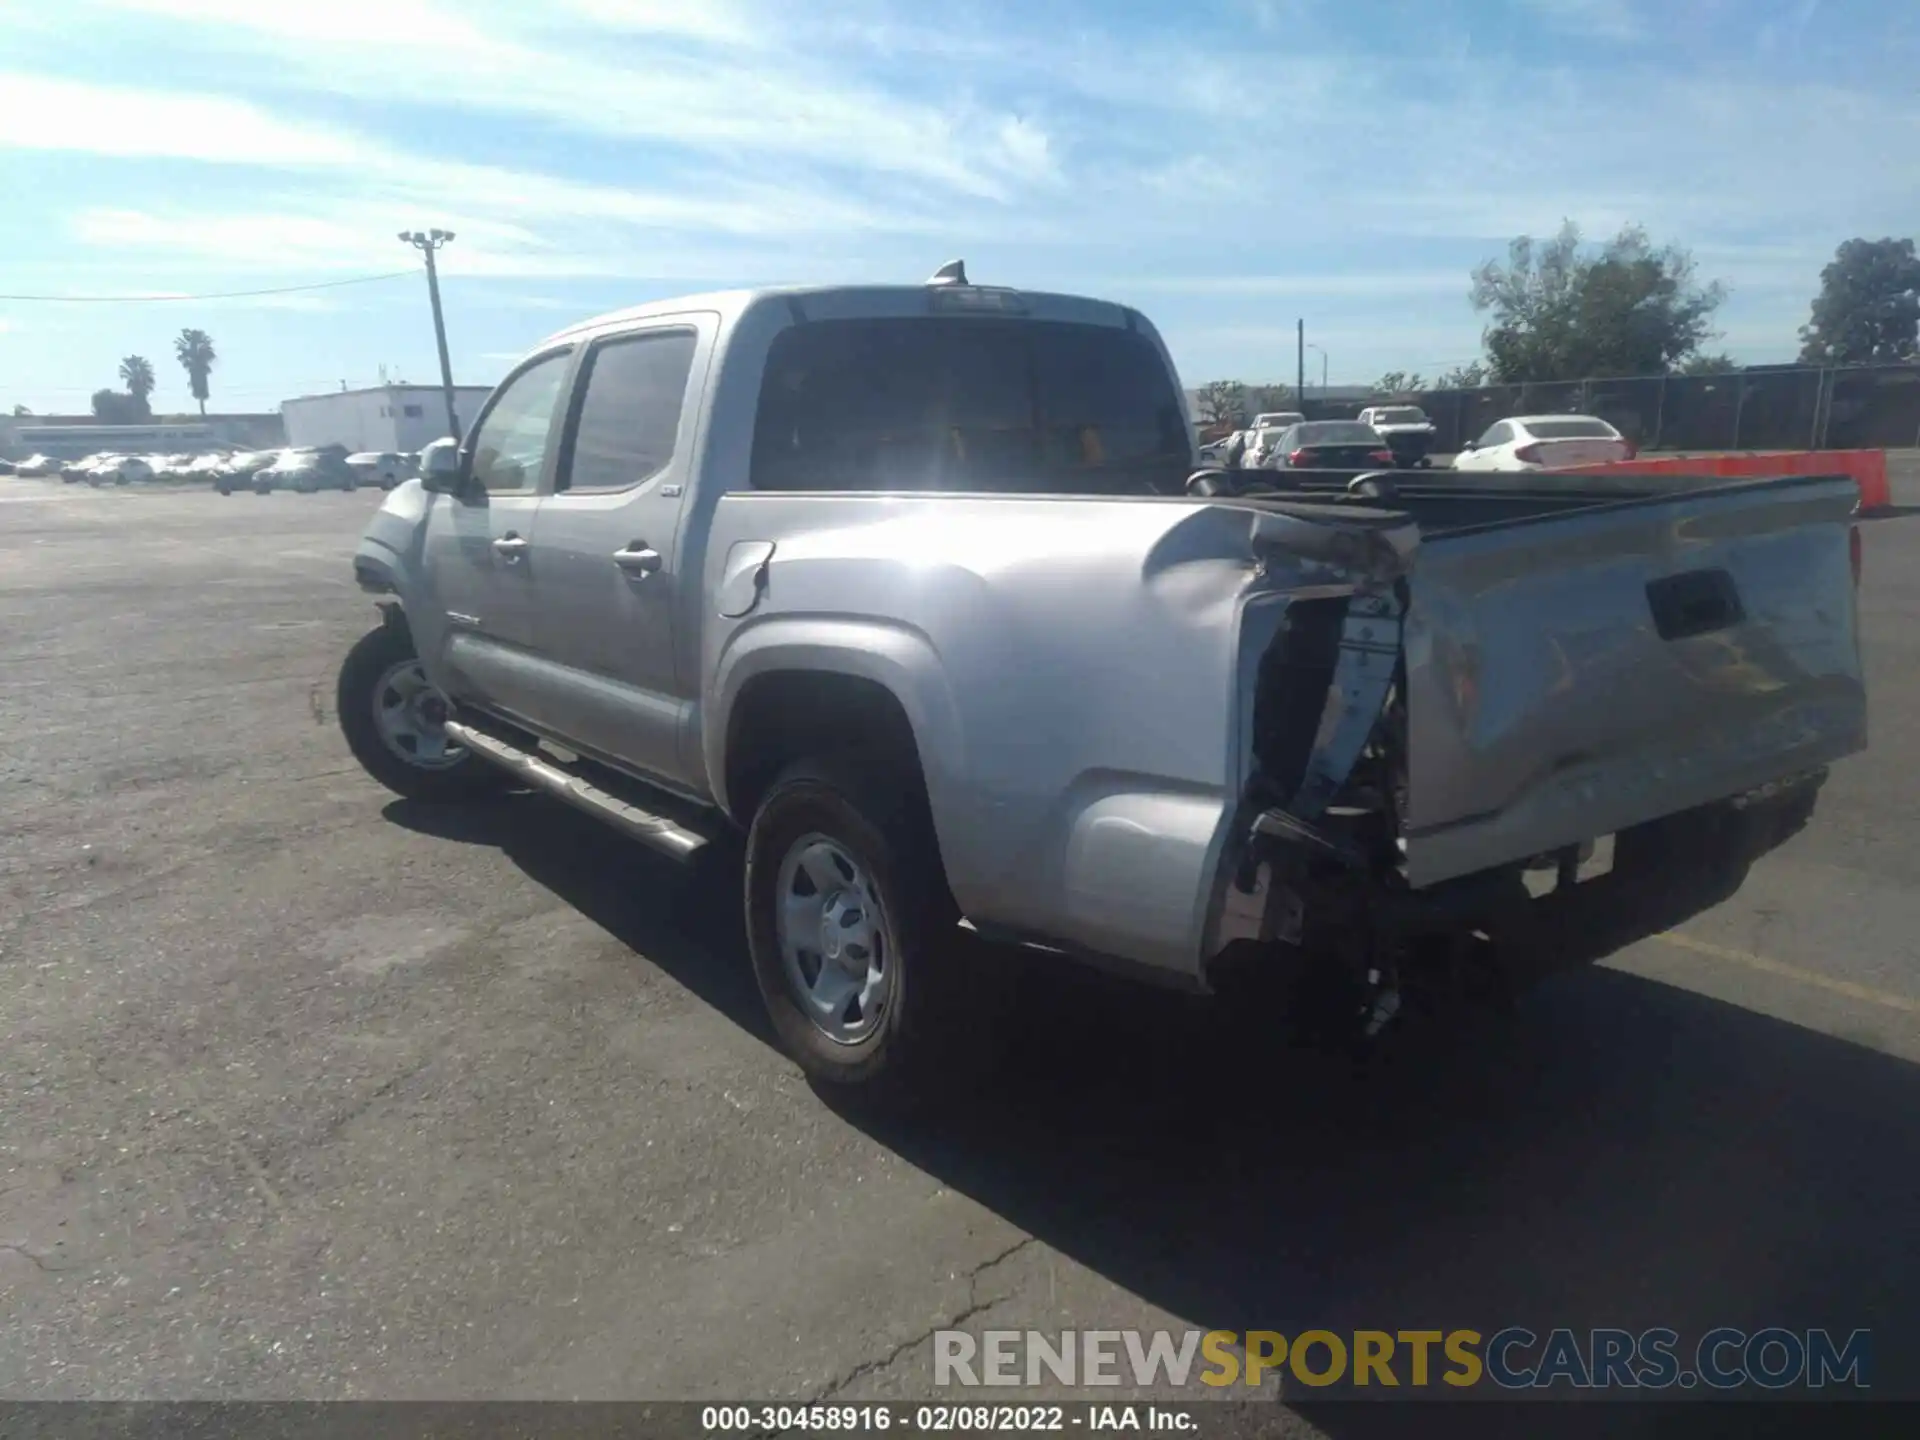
point(1664, 873)
point(1606, 798)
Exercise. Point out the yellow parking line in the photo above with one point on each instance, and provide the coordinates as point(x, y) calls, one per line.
point(1848, 988)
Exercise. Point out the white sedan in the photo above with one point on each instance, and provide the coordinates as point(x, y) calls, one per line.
point(1545, 442)
point(117, 470)
point(385, 468)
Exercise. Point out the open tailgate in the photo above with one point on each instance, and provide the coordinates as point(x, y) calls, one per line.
point(1571, 675)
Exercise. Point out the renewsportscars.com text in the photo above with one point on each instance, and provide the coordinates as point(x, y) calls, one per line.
point(1513, 1358)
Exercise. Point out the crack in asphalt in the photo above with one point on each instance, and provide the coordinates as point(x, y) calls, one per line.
point(974, 1306)
point(39, 1262)
point(372, 1098)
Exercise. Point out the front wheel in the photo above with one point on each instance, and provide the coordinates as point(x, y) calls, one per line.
point(395, 720)
point(855, 943)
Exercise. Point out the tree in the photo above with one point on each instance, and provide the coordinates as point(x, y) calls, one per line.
point(1868, 308)
point(1561, 314)
point(1222, 402)
point(114, 407)
point(136, 373)
point(1399, 382)
point(1470, 376)
point(20, 410)
point(1261, 398)
point(194, 349)
point(1703, 364)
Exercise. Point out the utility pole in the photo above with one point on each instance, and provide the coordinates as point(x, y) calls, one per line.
point(1300, 336)
point(427, 243)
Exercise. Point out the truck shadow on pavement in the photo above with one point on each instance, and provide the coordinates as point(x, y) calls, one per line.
point(1619, 1152)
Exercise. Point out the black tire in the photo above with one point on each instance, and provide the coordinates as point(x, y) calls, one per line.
point(363, 670)
point(941, 1022)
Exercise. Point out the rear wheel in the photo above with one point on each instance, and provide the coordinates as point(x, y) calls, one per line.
point(866, 977)
point(394, 721)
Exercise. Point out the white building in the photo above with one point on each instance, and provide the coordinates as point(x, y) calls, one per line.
point(386, 417)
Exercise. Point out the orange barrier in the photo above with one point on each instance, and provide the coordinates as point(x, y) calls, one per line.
point(1867, 467)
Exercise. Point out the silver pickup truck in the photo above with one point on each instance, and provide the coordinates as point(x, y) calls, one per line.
point(915, 591)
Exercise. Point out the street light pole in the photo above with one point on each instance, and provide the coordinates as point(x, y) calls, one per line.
point(1300, 355)
point(427, 243)
point(1323, 369)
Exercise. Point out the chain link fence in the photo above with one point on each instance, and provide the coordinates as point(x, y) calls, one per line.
point(1866, 407)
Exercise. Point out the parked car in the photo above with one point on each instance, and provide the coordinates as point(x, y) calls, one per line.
point(1260, 447)
point(1326, 445)
point(241, 468)
point(83, 468)
point(385, 468)
point(210, 467)
point(112, 469)
point(837, 628)
point(1277, 419)
point(1545, 442)
point(306, 471)
point(37, 465)
point(1407, 431)
point(6, 466)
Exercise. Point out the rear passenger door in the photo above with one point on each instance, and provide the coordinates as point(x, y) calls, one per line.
point(611, 588)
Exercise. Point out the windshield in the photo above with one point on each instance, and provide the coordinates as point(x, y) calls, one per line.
point(1572, 429)
point(1334, 432)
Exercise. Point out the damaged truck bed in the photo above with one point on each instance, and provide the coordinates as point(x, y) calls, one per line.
point(1521, 676)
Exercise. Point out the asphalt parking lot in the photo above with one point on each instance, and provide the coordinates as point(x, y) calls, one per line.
point(309, 1092)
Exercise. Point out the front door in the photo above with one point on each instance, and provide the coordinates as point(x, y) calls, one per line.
point(607, 549)
point(478, 560)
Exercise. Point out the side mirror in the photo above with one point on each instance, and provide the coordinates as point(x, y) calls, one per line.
point(440, 467)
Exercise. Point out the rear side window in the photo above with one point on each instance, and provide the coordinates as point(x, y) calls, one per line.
point(965, 404)
point(1498, 434)
point(630, 408)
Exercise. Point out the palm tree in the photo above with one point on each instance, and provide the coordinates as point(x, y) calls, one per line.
point(195, 350)
point(136, 373)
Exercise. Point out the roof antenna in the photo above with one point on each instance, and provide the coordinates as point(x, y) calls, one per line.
point(954, 272)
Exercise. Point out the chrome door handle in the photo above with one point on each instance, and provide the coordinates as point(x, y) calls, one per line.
point(637, 560)
point(510, 547)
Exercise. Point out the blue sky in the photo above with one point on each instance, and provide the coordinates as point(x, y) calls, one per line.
point(1225, 166)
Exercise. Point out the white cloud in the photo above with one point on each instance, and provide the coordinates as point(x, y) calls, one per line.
point(725, 99)
point(711, 20)
point(1615, 20)
point(43, 113)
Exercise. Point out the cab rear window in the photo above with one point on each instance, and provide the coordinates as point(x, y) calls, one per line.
point(967, 404)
